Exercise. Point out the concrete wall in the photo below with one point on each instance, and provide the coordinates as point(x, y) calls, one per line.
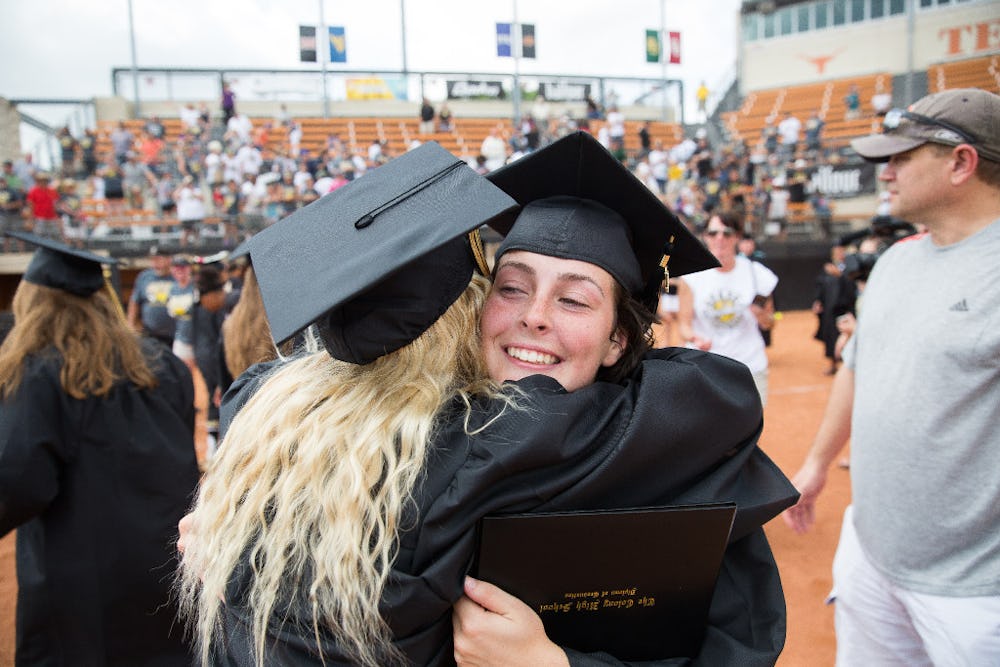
point(10, 132)
point(940, 35)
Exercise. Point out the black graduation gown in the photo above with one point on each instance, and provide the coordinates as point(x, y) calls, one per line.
point(838, 295)
point(95, 488)
point(682, 429)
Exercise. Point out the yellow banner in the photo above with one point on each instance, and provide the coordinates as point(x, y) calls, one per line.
point(373, 88)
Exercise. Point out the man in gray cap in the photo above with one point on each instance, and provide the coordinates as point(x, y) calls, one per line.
point(915, 575)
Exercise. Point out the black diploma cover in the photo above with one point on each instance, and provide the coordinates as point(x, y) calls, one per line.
point(634, 583)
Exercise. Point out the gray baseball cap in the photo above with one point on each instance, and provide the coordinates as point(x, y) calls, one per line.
point(952, 117)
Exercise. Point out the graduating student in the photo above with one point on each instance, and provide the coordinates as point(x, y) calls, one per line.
point(338, 521)
point(97, 464)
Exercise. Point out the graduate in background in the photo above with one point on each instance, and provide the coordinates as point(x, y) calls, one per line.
point(97, 464)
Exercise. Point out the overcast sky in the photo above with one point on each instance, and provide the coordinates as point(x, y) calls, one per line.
point(67, 48)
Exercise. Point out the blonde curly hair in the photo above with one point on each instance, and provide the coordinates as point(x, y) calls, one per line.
point(312, 481)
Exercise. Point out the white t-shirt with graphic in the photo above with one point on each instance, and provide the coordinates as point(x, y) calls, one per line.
point(722, 309)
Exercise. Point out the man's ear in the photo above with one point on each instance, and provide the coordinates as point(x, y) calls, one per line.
point(964, 163)
point(619, 341)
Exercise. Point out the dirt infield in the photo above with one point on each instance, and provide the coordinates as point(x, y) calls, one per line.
point(798, 395)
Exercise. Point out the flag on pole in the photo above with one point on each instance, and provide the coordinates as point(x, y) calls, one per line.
point(527, 40)
point(338, 44)
point(652, 46)
point(307, 43)
point(503, 40)
point(675, 48)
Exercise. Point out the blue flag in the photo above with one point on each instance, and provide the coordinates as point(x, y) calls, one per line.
point(503, 40)
point(338, 44)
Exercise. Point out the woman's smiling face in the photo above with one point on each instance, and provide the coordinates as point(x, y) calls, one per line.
point(550, 316)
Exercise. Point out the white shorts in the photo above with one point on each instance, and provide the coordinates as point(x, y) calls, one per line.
point(879, 623)
point(760, 381)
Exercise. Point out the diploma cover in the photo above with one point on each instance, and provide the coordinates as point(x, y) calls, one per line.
point(634, 583)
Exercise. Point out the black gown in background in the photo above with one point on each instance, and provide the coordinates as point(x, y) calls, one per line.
point(95, 488)
point(682, 429)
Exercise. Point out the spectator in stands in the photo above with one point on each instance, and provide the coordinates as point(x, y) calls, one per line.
point(616, 131)
point(881, 100)
point(150, 149)
point(68, 147)
point(114, 189)
point(702, 96)
point(96, 468)
point(769, 135)
point(659, 166)
point(852, 102)
point(74, 227)
point(645, 141)
point(426, 117)
point(11, 203)
point(446, 123)
point(190, 210)
point(228, 103)
point(814, 133)
point(121, 142)
point(88, 151)
point(375, 152)
point(154, 128)
point(147, 306)
point(788, 130)
point(239, 128)
point(494, 148)
point(262, 136)
point(190, 119)
point(12, 179)
point(165, 187)
point(593, 110)
point(41, 200)
point(137, 178)
point(294, 139)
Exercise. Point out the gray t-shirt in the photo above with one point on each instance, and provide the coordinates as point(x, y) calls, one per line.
point(926, 423)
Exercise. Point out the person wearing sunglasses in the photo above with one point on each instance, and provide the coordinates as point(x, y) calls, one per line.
point(723, 310)
point(915, 574)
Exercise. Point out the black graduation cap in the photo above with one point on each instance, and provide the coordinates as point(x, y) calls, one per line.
point(242, 250)
point(58, 265)
point(581, 203)
point(376, 262)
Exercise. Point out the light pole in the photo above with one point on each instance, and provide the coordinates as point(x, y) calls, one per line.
point(135, 69)
point(324, 55)
point(664, 46)
point(516, 52)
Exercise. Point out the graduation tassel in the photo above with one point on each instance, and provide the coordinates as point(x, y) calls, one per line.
point(112, 294)
point(668, 249)
point(476, 241)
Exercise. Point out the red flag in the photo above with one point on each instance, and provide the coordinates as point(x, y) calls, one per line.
point(675, 48)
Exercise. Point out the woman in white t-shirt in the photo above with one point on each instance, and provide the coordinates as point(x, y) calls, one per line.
point(723, 310)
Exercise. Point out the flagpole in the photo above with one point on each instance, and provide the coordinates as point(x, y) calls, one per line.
point(663, 54)
point(516, 51)
point(135, 69)
point(324, 55)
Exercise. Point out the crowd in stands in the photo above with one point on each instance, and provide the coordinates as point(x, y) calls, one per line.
point(223, 177)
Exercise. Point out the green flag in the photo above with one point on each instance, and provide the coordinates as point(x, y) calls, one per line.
point(652, 46)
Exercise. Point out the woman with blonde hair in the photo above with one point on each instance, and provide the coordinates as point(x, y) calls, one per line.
point(338, 521)
point(97, 464)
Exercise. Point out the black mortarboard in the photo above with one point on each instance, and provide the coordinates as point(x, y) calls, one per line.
point(582, 203)
point(58, 265)
point(242, 250)
point(376, 262)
